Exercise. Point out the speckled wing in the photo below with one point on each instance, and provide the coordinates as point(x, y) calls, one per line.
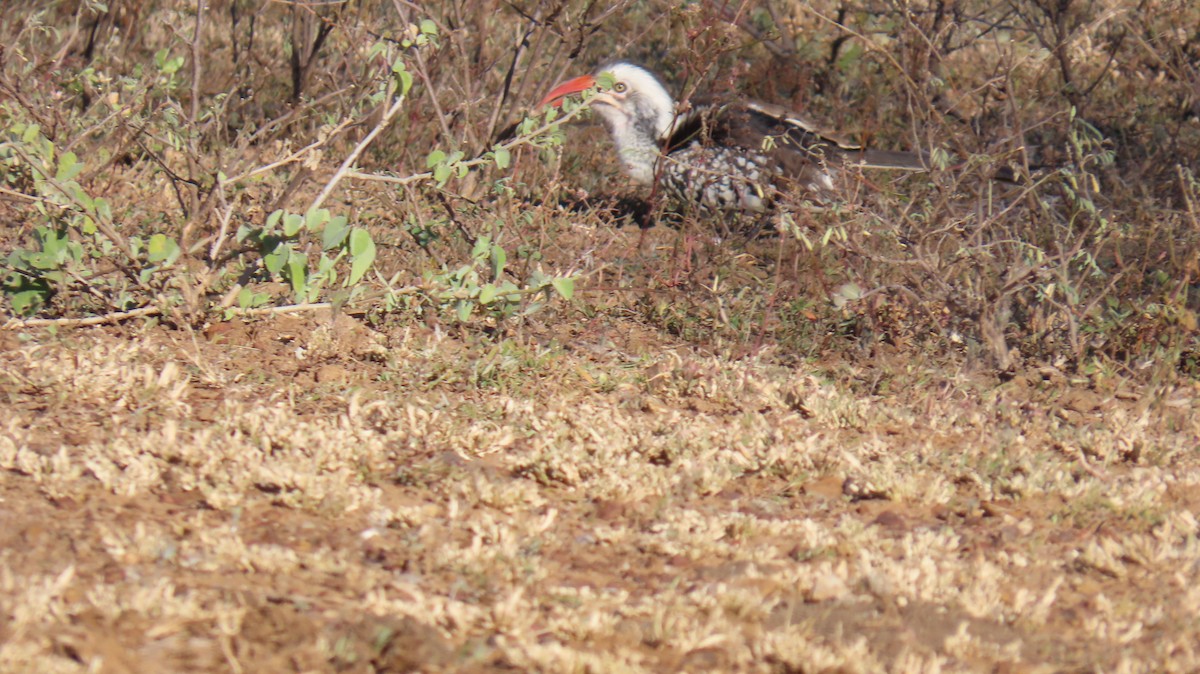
point(793, 142)
point(788, 151)
point(795, 134)
point(798, 154)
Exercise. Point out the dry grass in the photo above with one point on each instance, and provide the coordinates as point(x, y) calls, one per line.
point(170, 502)
point(714, 457)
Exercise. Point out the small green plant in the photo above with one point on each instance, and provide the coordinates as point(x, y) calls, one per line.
point(465, 291)
point(90, 258)
point(76, 231)
point(286, 242)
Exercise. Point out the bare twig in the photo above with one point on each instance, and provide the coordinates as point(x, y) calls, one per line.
point(223, 233)
point(527, 139)
point(29, 197)
point(194, 109)
point(345, 168)
point(197, 67)
point(288, 309)
point(114, 317)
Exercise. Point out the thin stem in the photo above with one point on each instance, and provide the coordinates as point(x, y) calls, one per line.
point(345, 169)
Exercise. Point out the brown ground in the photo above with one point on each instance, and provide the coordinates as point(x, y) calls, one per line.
point(301, 494)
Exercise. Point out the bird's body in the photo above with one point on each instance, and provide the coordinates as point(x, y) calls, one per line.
point(720, 156)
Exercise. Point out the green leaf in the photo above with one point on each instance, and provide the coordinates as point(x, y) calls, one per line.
point(298, 274)
point(335, 233)
point(68, 167)
point(315, 219)
point(325, 266)
point(436, 157)
point(244, 297)
point(406, 82)
point(362, 248)
point(26, 302)
point(292, 224)
point(482, 248)
point(43, 261)
point(272, 220)
point(464, 309)
point(75, 250)
point(360, 242)
point(54, 245)
point(503, 158)
point(441, 173)
point(499, 259)
point(428, 27)
point(565, 286)
point(162, 249)
point(171, 67)
point(488, 293)
point(275, 260)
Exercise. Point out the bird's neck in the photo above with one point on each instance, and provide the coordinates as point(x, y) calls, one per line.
point(638, 139)
point(639, 157)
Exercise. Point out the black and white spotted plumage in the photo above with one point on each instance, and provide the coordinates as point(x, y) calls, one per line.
point(718, 177)
point(722, 156)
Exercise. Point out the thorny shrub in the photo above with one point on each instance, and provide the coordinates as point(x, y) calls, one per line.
point(198, 157)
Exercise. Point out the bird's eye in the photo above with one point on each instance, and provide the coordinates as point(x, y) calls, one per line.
point(620, 87)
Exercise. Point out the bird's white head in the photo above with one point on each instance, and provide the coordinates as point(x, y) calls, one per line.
point(638, 110)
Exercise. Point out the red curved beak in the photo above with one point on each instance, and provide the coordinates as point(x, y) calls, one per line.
point(582, 83)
